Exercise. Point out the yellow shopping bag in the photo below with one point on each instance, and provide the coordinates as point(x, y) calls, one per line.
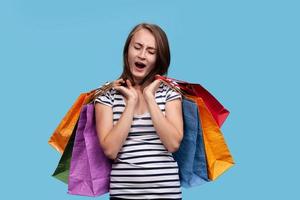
point(218, 156)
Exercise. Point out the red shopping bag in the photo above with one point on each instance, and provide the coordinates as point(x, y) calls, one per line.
point(218, 111)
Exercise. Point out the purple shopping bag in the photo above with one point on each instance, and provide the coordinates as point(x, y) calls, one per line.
point(90, 168)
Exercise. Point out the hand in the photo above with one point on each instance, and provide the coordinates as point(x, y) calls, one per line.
point(149, 91)
point(129, 92)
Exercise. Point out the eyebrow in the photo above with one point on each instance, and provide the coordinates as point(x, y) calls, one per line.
point(143, 45)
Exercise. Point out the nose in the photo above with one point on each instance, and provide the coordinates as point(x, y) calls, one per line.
point(142, 54)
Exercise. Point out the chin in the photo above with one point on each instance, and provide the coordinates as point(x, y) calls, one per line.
point(139, 78)
point(138, 75)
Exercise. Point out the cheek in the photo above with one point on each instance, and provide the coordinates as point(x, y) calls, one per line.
point(152, 59)
point(130, 56)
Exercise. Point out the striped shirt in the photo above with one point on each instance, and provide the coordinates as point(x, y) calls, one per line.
point(143, 169)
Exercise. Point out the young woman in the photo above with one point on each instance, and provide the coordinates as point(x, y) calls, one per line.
point(139, 121)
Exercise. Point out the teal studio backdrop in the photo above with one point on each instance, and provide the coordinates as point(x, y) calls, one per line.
point(246, 53)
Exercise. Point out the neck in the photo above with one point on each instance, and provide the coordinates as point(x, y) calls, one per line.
point(139, 86)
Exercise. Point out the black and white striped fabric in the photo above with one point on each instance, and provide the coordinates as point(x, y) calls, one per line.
point(143, 169)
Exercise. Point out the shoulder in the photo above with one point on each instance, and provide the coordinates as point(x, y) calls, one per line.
point(107, 98)
point(169, 92)
point(164, 88)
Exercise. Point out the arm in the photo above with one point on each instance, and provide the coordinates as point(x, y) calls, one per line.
point(168, 127)
point(112, 137)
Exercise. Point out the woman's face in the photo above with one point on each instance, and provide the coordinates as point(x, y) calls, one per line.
point(141, 54)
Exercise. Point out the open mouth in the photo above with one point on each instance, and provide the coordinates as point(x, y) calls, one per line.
point(140, 65)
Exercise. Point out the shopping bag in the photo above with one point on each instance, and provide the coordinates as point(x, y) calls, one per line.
point(218, 111)
point(63, 168)
point(212, 116)
point(64, 130)
point(218, 156)
point(90, 168)
point(190, 156)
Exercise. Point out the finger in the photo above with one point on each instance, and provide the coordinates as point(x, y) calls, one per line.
point(121, 80)
point(128, 83)
point(157, 82)
point(118, 82)
point(121, 89)
point(157, 76)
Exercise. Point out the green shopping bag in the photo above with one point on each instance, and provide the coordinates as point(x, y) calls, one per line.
point(63, 168)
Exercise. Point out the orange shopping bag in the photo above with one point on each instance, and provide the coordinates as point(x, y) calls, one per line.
point(62, 133)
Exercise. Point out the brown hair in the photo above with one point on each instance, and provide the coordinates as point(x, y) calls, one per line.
point(163, 52)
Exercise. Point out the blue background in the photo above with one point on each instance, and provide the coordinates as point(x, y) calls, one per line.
point(246, 53)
